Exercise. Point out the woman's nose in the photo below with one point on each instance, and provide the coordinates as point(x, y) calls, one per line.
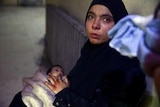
point(96, 24)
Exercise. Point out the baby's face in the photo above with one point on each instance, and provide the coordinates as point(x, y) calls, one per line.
point(56, 71)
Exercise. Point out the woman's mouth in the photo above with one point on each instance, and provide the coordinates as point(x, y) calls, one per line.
point(94, 35)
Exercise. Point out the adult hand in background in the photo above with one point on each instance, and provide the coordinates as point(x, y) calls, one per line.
point(156, 79)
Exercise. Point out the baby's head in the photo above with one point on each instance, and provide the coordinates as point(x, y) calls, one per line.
point(55, 71)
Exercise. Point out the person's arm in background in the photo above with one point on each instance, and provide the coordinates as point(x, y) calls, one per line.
point(156, 78)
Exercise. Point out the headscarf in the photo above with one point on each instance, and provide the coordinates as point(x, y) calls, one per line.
point(116, 7)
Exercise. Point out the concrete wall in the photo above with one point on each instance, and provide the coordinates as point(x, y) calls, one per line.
point(9, 2)
point(78, 8)
point(15, 2)
point(143, 7)
point(64, 37)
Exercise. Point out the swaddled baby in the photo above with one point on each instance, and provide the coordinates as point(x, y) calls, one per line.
point(35, 92)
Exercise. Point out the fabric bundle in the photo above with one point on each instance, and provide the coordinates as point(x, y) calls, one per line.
point(35, 93)
point(127, 34)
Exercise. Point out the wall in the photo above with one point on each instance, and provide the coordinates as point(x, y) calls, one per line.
point(76, 8)
point(14, 2)
point(64, 37)
point(55, 2)
point(143, 7)
point(9, 2)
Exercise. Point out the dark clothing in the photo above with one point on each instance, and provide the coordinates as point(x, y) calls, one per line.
point(17, 101)
point(103, 78)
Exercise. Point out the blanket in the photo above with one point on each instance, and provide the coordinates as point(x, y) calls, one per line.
point(35, 93)
point(128, 33)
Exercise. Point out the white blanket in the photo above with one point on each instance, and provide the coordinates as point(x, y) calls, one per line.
point(137, 36)
point(35, 93)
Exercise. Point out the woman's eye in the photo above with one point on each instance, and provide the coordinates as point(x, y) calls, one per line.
point(108, 19)
point(90, 17)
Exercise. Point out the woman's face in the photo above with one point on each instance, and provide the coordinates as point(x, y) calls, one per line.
point(99, 21)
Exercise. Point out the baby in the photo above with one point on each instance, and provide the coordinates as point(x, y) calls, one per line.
point(56, 71)
point(35, 92)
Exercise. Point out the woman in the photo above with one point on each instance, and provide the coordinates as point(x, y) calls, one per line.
point(101, 76)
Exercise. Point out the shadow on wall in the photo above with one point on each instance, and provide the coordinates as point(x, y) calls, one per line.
point(64, 38)
point(31, 2)
point(143, 7)
point(1, 2)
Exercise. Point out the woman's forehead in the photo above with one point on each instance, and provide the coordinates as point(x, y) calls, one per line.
point(100, 10)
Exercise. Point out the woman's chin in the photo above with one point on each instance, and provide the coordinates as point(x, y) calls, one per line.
point(95, 41)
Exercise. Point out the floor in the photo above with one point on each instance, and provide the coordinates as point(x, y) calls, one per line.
point(22, 31)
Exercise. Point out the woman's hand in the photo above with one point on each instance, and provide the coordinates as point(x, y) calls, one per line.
point(57, 84)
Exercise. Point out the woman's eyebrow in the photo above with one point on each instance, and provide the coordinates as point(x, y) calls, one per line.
point(90, 12)
point(108, 15)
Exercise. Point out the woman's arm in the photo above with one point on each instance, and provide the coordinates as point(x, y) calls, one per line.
point(66, 98)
